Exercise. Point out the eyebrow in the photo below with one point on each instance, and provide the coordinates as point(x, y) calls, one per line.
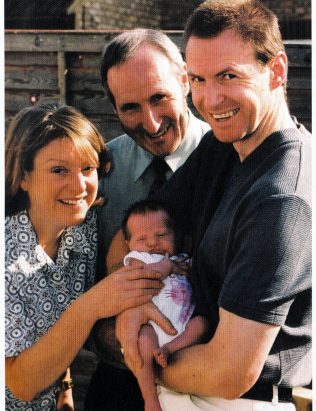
point(220, 73)
point(57, 161)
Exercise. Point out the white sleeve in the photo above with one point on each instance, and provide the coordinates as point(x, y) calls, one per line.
point(146, 258)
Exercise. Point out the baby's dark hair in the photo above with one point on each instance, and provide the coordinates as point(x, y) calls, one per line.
point(145, 206)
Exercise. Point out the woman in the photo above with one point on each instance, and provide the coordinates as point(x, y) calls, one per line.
point(53, 156)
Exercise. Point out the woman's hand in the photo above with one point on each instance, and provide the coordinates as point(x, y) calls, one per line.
point(128, 325)
point(164, 267)
point(167, 266)
point(182, 266)
point(125, 288)
point(65, 401)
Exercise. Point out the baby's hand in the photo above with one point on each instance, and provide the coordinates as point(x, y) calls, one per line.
point(182, 265)
point(165, 267)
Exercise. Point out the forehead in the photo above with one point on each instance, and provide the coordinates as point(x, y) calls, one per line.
point(63, 149)
point(147, 221)
point(144, 74)
point(226, 49)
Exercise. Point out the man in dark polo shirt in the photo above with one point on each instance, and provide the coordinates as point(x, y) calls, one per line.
point(245, 195)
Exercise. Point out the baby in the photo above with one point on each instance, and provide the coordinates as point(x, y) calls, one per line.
point(151, 237)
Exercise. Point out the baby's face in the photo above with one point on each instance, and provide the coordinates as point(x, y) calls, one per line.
point(150, 233)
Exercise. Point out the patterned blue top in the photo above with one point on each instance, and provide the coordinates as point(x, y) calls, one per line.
point(38, 290)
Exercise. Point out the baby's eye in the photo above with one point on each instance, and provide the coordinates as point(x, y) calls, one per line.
point(161, 234)
point(141, 239)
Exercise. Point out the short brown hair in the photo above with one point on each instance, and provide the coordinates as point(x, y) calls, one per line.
point(254, 22)
point(35, 127)
point(122, 47)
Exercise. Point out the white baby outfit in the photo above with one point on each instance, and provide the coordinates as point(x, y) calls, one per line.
point(174, 300)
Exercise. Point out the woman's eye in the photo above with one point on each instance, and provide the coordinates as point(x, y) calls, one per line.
point(59, 170)
point(89, 169)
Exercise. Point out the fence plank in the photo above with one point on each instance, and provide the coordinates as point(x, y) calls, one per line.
point(31, 78)
point(64, 66)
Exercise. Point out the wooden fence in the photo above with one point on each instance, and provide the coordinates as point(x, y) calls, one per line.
point(64, 66)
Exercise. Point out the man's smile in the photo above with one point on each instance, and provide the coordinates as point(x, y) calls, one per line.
point(163, 130)
point(225, 116)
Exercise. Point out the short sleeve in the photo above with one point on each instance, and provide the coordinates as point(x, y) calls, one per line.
point(17, 324)
point(142, 256)
point(270, 266)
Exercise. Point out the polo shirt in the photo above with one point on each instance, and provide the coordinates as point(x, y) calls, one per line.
point(251, 225)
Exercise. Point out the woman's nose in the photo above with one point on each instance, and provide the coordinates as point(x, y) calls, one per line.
point(78, 183)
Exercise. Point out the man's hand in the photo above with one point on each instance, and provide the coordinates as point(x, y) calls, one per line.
point(128, 325)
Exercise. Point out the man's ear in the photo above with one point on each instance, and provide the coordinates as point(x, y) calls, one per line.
point(278, 70)
point(185, 79)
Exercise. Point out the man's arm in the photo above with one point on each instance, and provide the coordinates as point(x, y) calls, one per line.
point(227, 366)
point(117, 250)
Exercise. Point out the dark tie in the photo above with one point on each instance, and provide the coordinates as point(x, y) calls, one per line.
point(159, 167)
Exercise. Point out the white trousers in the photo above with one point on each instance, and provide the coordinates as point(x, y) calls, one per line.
point(173, 401)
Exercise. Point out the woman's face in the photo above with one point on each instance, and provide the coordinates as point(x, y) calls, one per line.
point(61, 187)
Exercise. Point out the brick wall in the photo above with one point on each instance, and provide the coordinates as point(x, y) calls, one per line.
point(290, 9)
point(116, 14)
point(294, 15)
point(174, 13)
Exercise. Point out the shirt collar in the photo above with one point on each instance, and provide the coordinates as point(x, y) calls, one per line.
point(187, 145)
point(75, 238)
point(174, 160)
point(142, 160)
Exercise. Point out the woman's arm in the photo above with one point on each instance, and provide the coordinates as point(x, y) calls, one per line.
point(37, 367)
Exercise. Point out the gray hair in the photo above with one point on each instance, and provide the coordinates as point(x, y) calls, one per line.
point(124, 46)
